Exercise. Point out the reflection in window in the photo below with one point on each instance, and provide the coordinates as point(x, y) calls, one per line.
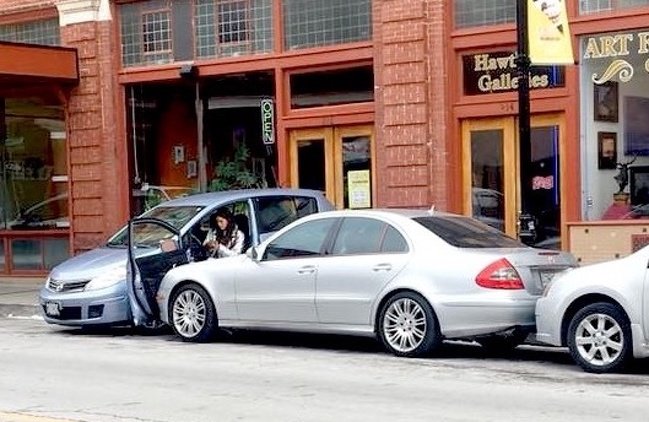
point(314, 23)
point(34, 166)
point(594, 6)
point(393, 242)
point(358, 236)
point(470, 13)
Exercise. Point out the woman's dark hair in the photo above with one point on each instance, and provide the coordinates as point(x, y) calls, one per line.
point(224, 236)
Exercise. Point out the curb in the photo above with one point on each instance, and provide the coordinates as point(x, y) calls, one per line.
point(25, 311)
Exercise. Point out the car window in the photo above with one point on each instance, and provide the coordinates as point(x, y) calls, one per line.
point(465, 232)
point(241, 212)
point(274, 213)
point(393, 241)
point(305, 206)
point(149, 234)
point(358, 236)
point(304, 240)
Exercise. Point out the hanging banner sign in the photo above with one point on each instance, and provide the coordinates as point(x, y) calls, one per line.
point(268, 121)
point(548, 32)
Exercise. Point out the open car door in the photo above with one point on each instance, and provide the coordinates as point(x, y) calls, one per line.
point(154, 248)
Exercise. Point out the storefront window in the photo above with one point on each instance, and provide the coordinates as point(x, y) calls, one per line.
point(469, 13)
point(33, 178)
point(315, 23)
point(45, 32)
point(594, 6)
point(614, 124)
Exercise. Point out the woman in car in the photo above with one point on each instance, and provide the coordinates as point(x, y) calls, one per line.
point(224, 237)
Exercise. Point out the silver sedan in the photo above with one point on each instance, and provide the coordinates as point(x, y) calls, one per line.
point(601, 312)
point(410, 278)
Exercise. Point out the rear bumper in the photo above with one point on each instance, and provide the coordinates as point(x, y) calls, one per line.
point(108, 306)
point(463, 319)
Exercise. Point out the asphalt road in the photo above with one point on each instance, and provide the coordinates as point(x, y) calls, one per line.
point(48, 374)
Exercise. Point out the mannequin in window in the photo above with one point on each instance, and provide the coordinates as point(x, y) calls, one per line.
point(224, 237)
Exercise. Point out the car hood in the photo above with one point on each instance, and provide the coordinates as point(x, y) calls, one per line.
point(89, 264)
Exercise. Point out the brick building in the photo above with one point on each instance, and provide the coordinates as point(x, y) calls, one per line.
point(384, 103)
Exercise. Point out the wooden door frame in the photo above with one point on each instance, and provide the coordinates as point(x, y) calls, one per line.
point(511, 180)
point(332, 137)
point(506, 124)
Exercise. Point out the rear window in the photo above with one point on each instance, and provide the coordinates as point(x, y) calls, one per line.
point(464, 232)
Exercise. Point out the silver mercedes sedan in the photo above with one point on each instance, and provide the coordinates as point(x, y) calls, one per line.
point(410, 278)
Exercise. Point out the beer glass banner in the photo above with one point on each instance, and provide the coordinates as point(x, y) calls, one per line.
point(494, 72)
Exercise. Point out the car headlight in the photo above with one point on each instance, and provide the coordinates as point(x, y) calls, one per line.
point(108, 278)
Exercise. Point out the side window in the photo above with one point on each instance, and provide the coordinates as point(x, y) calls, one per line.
point(305, 206)
point(304, 240)
point(274, 213)
point(241, 212)
point(359, 236)
point(393, 242)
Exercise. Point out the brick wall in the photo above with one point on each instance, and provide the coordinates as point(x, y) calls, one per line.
point(411, 104)
point(97, 165)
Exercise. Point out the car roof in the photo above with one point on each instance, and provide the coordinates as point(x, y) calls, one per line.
point(405, 212)
point(207, 199)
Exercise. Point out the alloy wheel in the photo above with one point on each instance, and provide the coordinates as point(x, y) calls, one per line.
point(599, 339)
point(404, 325)
point(189, 313)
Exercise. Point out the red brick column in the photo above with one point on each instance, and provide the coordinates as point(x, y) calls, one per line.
point(97, 156)
point(411, 102)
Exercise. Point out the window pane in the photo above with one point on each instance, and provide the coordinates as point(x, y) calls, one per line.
point(275, 213)
point(358, 236)
point(146, 32)
point(232, 27)
point(45, 32)
point(484, 12)
point(344, 86)
point(306, 206)
point(34, 183)
point(314, 23)
point(304, 240)
point(55, 251)
point(464, 232)
point(594, 6)
point(26, 254)
point(393, 242)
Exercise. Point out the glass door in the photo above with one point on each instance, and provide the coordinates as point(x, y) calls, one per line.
point(337, 161)
point(492, 177)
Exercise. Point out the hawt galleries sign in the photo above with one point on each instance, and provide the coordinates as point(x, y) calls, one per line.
point(494, 72)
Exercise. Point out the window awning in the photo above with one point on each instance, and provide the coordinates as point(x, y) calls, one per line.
point(29, 64)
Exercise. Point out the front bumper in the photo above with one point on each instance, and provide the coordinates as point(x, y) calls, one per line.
point(108, 306)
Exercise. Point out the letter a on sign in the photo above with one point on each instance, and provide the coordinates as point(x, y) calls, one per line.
point(548, 32)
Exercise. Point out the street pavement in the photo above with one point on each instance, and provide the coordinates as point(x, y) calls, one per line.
point(55, 374)
point(19, 296)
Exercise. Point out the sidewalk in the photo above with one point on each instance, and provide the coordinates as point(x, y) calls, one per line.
point(19, 296)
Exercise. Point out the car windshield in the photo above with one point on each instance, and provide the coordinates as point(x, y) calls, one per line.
point(464, 232)
point(151, 234)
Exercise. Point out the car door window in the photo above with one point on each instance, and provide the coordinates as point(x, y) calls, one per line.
point(239, 209)
point(305, 206)
point(359, 236)
point(274, 213)
point(393, 242)
point(305, 240)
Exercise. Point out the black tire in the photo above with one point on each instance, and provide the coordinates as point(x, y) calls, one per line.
point(210, 324)
point(430, 333)
point(502, 344)
point(600, 343)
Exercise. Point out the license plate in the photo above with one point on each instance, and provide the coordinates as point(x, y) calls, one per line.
point(52, 309)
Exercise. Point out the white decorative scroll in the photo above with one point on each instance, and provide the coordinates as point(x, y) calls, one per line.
point(619, 67)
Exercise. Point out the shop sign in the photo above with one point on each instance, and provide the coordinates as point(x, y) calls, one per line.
point(358, 188)
point(268, 121)
point(618, 48)
point(493, 72)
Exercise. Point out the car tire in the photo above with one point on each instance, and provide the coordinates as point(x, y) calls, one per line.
point(192, 314)
point(407, 326)
point(599, 338)
point(500, 344)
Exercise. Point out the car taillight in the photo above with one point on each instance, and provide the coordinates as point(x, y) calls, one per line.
point(500, 275)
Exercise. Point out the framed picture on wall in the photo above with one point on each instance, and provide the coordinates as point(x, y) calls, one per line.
point(606, 150)
point(605, 102)
point(636, 126)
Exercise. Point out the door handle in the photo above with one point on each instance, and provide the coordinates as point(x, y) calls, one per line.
point(382, 267)
point(307, 269)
